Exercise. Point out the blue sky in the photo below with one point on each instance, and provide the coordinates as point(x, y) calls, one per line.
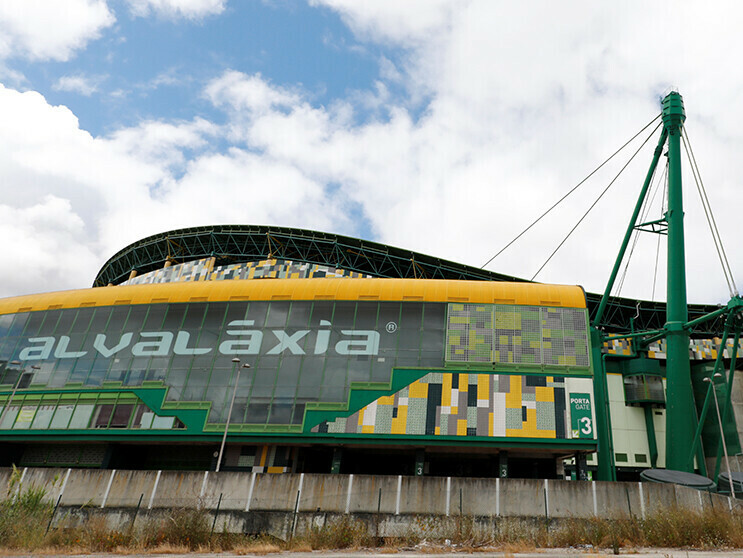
point(443, 126)
point(145, 68)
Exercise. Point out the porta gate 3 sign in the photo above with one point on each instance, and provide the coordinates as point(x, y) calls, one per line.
point(581, 417)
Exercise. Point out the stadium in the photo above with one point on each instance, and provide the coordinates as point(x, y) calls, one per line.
point(319, 353)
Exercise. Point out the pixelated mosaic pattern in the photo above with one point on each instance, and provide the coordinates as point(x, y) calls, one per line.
point(699, 349)
point(456, 404)
point(197, 270)
point(204, 270)
point(266, 459)
point(510, 334)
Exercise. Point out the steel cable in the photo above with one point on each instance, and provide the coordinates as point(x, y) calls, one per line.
point(558, 202)
point(595, 202)
point(727, 271)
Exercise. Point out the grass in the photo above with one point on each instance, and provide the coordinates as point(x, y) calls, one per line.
point(26, 513)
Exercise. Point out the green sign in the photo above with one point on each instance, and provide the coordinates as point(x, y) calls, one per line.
point(581, 418)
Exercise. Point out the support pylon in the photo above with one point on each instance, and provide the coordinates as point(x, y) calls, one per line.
point(680, 411)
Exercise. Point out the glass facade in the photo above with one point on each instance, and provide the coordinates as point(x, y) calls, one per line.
point(299, 352)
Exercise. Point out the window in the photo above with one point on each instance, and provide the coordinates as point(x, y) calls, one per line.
point(102, 415)
point(121, 415)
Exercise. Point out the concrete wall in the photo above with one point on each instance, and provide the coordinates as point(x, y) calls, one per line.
point(247, 501)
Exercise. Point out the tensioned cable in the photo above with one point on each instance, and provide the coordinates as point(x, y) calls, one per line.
point(707, 212)
point(644, 212)
point(636, 235)
point(558, 202)
point(597, 201)
point(727, 271)
point(664, 181)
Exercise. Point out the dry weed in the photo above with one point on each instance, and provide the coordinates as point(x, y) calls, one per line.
point(258, 549)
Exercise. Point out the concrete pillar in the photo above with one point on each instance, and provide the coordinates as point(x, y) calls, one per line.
point(132, 274)
point(581, 469)
point(560, 468)
point(503, 465)
point(335, 466)
point(420, 462)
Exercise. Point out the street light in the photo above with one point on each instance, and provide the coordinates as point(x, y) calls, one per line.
point(235, 363)
point(21, 373)
point(722, 432)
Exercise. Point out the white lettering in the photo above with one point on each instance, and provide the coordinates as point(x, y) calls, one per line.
point(61, 350)
point(181, 345)
point(153, 348)
point(238, 339)
point(368, 346)
point(323, 338)
point(100, 344)
point(288, 342)
point(250, 346)
point(38, 353)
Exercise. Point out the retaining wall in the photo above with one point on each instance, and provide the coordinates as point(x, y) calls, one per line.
point(261, 502)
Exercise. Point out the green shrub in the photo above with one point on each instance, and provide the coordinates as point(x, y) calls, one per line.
point(342, 533)
point(181, 527)
point(24, 515)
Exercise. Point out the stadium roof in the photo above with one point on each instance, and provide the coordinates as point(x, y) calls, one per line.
point(240, 243)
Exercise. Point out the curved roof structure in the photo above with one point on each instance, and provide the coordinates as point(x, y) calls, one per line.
point(239, 243)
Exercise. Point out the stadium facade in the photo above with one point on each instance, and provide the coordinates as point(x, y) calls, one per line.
point(363, 358)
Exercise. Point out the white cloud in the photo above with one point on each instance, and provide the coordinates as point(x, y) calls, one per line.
point(162, 143)
point(521, 102)
point(63, 186)
point(49, 247)
point(520, 110)
point(189, 9)
point(238, 92)
point(402, 22)
point(39, 29)
point(84, 85)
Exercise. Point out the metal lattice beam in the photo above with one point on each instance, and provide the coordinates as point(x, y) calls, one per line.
point(239, 243)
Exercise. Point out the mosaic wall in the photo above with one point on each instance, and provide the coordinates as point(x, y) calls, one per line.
point(456, 404)
point(204, 270)
point(264, 459)
point(699, 349)
point(279, 269)
point(197, 270)
point(509, 334)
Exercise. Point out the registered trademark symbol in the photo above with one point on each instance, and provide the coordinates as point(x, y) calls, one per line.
point(391, 327)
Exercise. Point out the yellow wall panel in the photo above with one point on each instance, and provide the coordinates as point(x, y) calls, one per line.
point(418, 390)
point(544, 394)
point(513, 397)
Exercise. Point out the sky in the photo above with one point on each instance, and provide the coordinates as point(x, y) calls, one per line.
point(444, 127)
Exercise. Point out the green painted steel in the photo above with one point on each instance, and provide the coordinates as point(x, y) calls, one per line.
point(680, 411)
point(727, 403)
point(652, 443)
point(605, 448)
point(630, 228)
point(606, 469)
point(696, 441)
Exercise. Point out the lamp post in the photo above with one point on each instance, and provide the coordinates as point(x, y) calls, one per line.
point(21, 373)
point(235, 364)
point(722, 431)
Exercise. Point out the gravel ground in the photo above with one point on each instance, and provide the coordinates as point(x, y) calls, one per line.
point(427, 553)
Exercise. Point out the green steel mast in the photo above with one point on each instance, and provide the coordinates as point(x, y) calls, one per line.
point(681, 414)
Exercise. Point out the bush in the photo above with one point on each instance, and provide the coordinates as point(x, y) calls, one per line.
point(187, 527)
point(24, 515)
point(342, 533)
